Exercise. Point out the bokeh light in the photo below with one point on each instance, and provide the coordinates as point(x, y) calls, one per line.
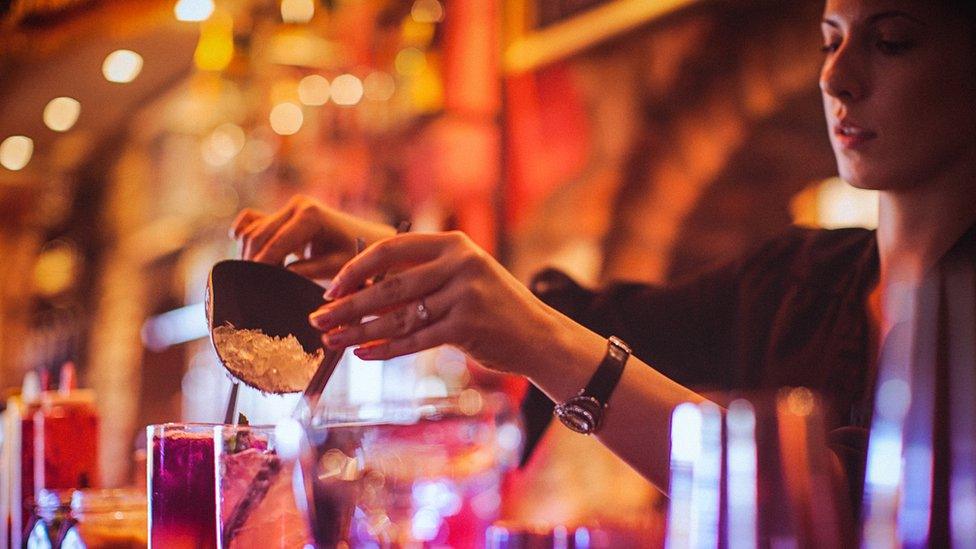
point(193, 10)
point(55, 269)
point(314, 90)
point(427, 11)
point(122, 66)
point(410, 61)
point(215, 50)
point(61, 113)
point(16, 152)
point(224, 143)
point(286, 118)
point(379, 86)
point(347, 90)
point(297, 11)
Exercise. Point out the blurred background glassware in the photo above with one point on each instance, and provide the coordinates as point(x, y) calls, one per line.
point(182, 502)
point(757, 474)
point(507, 535)
point(52, 444)
point(107, 519)
point(409, 473)
point(255, 497)
point(50, 516)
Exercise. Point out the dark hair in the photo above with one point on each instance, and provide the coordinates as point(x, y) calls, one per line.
point(966, 7)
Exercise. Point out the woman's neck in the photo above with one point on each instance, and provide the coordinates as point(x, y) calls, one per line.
point(917, 226)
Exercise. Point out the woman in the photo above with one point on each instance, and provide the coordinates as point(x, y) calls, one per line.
point(898, 85)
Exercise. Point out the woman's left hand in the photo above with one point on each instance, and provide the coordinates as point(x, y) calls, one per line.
point(442, 289)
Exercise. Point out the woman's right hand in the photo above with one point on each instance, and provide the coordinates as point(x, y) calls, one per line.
point(323, 238)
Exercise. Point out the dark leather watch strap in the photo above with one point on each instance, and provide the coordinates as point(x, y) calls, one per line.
point(607, 375)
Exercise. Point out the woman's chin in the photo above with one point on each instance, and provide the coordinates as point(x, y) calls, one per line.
point(870, 180)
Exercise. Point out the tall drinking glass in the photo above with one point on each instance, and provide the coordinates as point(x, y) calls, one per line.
point(255, 496)
point(180, 468)
point(419, 473)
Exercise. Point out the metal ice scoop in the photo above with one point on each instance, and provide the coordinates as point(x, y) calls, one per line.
point(258, 316)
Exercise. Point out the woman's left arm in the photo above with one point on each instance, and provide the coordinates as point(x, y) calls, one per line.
point(445, 290)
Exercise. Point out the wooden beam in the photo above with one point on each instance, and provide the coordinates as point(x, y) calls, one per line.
point(561, 40)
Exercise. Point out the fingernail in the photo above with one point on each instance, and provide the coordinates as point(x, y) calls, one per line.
point(333, 291)
point(320, 318)
point(366, 353)
point(336, 338)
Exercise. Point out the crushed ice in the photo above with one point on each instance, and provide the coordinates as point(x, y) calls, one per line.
point(269, 363)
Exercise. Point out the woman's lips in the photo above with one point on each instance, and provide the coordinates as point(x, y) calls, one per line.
point(852, 136)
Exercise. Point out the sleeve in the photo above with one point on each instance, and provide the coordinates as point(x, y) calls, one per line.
point(686, 331)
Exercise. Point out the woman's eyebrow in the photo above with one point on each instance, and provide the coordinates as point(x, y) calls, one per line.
point(893, 13)
point(875, 18)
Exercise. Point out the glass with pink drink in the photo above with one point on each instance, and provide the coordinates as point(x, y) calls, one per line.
point(182, 504)
point(424, 473)
point(255, 496)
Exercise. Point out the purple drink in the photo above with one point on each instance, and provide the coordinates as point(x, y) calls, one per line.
point(182, 504)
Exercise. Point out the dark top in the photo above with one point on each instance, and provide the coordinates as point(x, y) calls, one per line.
point(792, 313)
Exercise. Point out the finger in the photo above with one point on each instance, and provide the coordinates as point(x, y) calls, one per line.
point(244, 219)
point(409, 285)
point(320, 267)
point(259, 233)
point(397, 323)
point(289, 236)
point(433, 335)
point(384, 256)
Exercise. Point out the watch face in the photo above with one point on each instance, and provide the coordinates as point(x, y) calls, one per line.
point(581, 414)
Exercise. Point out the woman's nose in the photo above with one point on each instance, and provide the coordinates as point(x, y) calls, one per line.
point(842, 75)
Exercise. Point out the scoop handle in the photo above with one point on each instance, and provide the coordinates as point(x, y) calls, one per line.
point(313, 392)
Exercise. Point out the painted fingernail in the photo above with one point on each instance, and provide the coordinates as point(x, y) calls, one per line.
point(333, 291)
point(366, 353)
point(336, 338)
point(321, 318)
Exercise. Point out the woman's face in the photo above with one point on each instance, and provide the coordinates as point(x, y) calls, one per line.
point(899, 90)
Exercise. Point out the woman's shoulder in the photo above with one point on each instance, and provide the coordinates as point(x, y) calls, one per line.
point(813, 254)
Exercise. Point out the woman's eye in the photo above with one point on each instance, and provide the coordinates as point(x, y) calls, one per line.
point(892, 47)
point(830, 48)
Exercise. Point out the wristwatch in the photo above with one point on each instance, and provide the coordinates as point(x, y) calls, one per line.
point(583, 413)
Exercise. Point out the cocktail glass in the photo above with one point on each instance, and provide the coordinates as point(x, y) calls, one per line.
point(255, 496)
point(180, 469)
point(418, 473)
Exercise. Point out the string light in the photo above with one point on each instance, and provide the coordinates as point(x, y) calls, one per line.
point(61, 113)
